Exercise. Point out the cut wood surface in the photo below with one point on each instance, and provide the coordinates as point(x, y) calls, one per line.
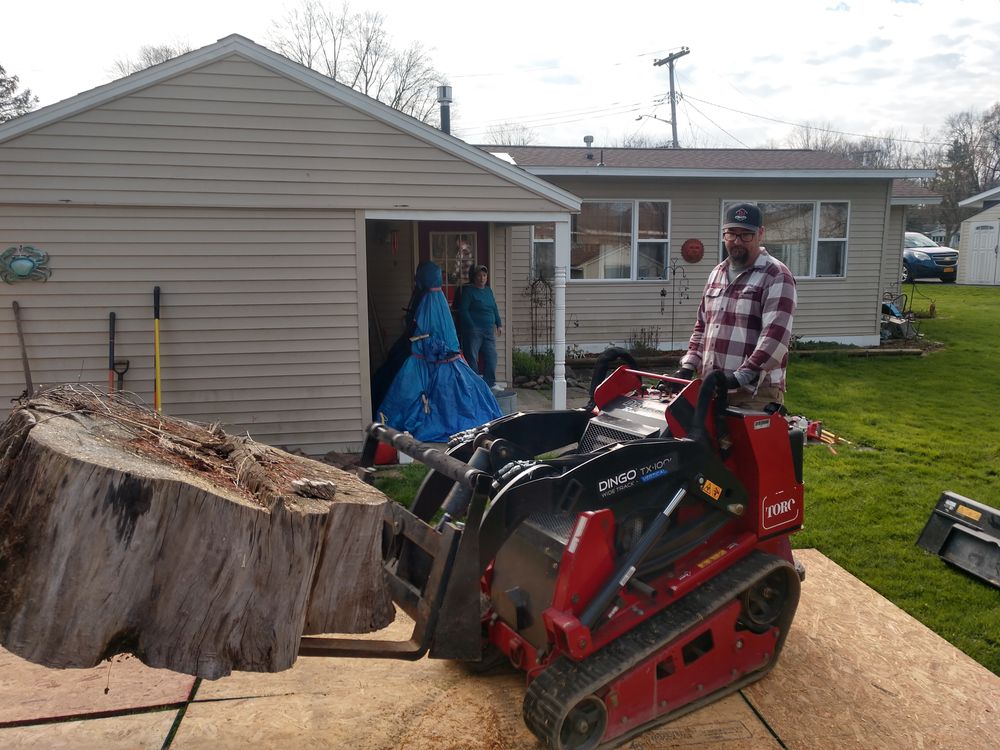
point(126, 531)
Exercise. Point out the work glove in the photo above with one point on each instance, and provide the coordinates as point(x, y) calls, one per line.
point(731, 382)
point(685, 373)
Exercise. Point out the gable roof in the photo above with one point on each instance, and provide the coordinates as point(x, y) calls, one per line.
point(909, 193)
point(977, 200)
point(241, 46)
point(691, 162)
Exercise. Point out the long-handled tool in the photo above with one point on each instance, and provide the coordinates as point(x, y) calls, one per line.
point(121, 367)
point(156, 348)
point(111, 352)
point(24, 351)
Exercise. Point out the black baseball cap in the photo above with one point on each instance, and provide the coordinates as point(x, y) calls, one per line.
point(743, 216)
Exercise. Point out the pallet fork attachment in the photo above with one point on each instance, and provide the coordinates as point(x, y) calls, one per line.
point(432, 573)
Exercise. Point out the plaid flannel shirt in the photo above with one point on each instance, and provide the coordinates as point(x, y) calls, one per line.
point(745, 327)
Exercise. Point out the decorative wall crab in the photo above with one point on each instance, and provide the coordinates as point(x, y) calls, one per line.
point(24, 263)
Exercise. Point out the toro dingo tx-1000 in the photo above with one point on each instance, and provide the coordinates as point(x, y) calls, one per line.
point(632, 559)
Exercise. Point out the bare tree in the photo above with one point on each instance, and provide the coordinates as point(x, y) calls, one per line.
point(13, 104)
point(355, 49)
point(511, 134)
point(148, 56)
point(816, 137)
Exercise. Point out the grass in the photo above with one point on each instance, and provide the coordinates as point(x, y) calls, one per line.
point(921, 426)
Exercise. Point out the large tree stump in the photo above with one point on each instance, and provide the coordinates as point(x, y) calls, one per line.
point(124, 531)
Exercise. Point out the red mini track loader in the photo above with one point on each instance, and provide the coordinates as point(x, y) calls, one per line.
point(632, 559)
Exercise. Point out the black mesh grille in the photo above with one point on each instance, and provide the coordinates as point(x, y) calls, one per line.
point(598, 435)
point(556, 525)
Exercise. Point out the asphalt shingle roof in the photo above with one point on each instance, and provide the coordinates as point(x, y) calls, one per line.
point(668, 158)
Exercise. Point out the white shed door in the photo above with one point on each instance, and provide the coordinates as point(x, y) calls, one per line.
point(983, 268)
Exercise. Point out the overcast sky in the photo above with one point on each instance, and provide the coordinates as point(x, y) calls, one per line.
point(569, 69)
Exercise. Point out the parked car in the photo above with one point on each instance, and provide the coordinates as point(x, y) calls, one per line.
point(923, 258)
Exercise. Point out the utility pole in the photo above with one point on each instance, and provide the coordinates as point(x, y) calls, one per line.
point(669, 60)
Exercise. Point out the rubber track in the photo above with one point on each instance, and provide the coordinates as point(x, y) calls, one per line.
point(566, 682)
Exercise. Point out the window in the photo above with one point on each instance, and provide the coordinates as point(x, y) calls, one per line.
point(627, 240)
point(543, 251)
point(810, 237)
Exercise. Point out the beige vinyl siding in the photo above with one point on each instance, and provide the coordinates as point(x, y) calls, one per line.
point(259, 320)
point(602, 313)
point(234, 134)
point(390, 278)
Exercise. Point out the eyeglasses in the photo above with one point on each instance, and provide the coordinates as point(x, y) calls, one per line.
point(745, 236)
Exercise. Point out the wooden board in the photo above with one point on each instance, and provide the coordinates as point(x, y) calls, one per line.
point(146, 731)
point(29, 692)
point(858, 672)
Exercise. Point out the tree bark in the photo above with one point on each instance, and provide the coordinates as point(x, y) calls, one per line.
point(125, 531)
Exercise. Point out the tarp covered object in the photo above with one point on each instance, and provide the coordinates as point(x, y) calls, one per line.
point(435, 393)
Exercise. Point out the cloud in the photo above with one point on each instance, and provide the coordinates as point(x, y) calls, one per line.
point(943, 40)
point(945, 61)
point(764, 89)
point(840, 7)
point(566, 79)
point(773, 58)
point(856, 50)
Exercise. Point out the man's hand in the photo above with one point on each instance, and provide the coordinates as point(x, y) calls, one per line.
point(685, 373)
point(499, 330)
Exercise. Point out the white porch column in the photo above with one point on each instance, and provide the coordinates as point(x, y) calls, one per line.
point(559, 319)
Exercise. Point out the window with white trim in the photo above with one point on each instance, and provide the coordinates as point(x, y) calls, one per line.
point(810, 237)
point(620, 240)
point(543, 251)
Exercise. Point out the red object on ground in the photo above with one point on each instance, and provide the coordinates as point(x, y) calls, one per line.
point(385, 455)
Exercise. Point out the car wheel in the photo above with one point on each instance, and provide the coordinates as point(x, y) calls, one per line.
point(906, 274)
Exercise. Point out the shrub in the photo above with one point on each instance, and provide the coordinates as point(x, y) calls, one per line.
point(532, 364)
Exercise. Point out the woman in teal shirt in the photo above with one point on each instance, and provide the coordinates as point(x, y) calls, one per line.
point(477, 311)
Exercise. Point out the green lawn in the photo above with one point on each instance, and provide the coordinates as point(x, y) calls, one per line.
point(921, 425)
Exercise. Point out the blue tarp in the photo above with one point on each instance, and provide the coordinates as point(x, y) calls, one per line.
point(435, 393)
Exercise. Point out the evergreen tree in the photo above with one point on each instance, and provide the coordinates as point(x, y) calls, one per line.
point(13, 104)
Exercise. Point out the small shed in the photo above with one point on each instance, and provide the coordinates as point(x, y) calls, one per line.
point(979, 246)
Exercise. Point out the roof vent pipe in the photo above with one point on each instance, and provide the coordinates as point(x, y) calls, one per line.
point(589, 140)
point(444, 99)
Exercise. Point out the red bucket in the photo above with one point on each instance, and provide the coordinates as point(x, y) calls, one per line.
point(385, 455)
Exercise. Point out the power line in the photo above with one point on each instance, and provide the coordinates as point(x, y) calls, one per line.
point(715, 123)
point(813, 127)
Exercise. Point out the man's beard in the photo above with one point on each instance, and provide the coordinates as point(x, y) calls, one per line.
point(738, 256)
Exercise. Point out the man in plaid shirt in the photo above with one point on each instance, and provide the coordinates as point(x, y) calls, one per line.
point(745, 318)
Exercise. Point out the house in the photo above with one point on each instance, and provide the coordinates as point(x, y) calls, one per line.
point(281, 214)
point(980, 240)
point(839, 227)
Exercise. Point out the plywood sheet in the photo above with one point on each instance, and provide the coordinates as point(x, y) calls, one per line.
point(29, 692)
point(372, 704)
point(858, 672)
point(146, 731)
